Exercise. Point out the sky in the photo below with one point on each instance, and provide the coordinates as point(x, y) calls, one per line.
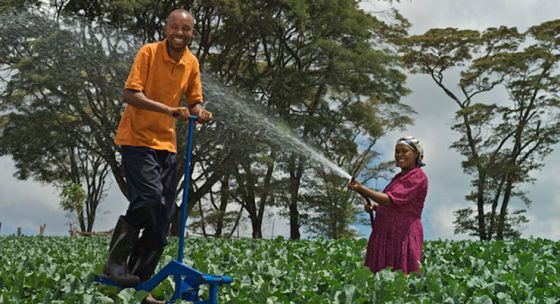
point(29, 204)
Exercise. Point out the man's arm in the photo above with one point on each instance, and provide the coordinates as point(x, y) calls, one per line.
point(139, 100)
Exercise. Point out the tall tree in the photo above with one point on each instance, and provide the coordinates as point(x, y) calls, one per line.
point(60, 103)
point(8, 5)
point(502, 142)
point(312, 65)
point(317, 65)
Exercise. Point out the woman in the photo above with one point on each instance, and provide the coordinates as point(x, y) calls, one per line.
point(397, 236)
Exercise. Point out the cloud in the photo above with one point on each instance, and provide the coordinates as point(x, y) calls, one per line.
point(476, 14)
point(544, 212)
point(29, 204)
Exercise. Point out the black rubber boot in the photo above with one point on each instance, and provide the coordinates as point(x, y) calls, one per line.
point(143, 262)
point(124, 239)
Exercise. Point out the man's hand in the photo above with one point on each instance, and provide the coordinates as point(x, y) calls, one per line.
point(201, 113)
point(183, 113)
point(180, 113)
point(204, 116)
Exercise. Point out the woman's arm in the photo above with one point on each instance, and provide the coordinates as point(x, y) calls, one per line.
point(378, 197)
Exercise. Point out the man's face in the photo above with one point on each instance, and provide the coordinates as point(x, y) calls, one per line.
point(179, 30)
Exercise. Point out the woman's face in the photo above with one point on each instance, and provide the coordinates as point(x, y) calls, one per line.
point(405, 157)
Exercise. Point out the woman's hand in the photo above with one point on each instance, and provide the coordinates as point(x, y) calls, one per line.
point(354, 185)
point(370, 207)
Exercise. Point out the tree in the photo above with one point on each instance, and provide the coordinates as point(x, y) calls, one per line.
point(73, 201)
point(332, 210)
point(326, 68)
point(60, 103)
point(8, 5)
point(312, 65)
point(502, 142)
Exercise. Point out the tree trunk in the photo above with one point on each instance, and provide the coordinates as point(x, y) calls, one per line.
point(81, 221)
point(236, 222)
point(248, 199)
point(266, 193)
point(202, 221)
point(249, 190)
point(224, 197)
point(42, 229)
point(296, 172)
point(503, 209)
point(480, 209)
point(497, 196)
point(256, 226)
point(294, 221)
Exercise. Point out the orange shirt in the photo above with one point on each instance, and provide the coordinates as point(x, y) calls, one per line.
point(164, 80)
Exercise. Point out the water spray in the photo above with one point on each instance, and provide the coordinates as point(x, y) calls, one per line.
point(235, 110)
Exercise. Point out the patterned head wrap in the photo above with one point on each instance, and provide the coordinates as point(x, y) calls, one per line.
point(414, 143)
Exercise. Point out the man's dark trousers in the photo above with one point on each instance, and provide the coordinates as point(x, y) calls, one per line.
point(151, 177)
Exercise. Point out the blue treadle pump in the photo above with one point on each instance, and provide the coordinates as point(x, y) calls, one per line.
point(187, 279)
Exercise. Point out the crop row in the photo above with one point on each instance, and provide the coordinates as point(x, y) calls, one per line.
point(61, 270)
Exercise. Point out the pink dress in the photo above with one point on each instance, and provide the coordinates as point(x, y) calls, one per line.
point(397, 236)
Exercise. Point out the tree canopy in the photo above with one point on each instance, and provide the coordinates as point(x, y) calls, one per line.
point(504, 141)
point(325, 68)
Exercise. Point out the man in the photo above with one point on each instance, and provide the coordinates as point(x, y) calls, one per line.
point(161, 74)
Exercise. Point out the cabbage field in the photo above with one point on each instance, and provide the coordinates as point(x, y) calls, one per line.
point(61, 270)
